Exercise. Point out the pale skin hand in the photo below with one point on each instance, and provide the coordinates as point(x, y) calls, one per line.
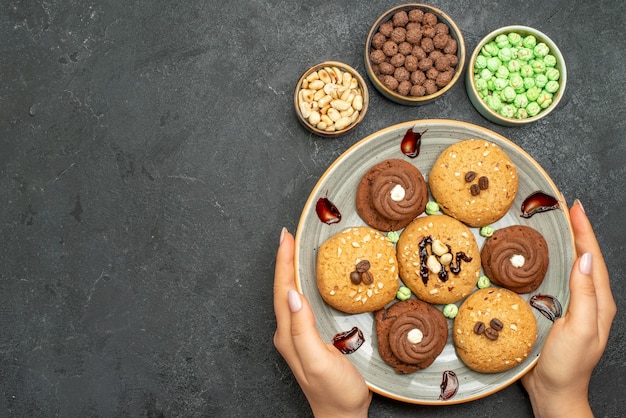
point(331, 383)
point(558, 385)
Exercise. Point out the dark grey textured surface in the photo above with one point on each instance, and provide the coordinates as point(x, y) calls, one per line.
point(149, 155)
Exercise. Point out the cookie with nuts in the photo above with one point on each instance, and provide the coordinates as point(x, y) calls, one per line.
point(438, 259)
point(357, 270)
point(474, 181)
point(494, 331)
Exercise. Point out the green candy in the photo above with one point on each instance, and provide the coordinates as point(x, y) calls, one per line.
point(526, 71)
point(521, 101)
point(486, 231)
point(514, 66)
point(533, 109)
point(493, 64)
point(481, 62)
point(502, 41)
point(490, 49)
point(508, 94)
point(529, 83)
point(553, 74)
point(541, 50)
point(533, 93)
point(450, 310)
point(432, 208)
point(493, 102)
point(485, 73)
point(481, 84)
point(516, 81)
point(539, 66)
point(403, 293)
point(393, 236)
point(541, 80)
point(505, 54)
point(515, 38)
point(529, 41)
point(500, 83)
point(545, 99)
point(508, 111)
point(552, 86)
point(483, 282)
point(502, 72)
point(550, 60)
point(525, 54)
point(521, 114)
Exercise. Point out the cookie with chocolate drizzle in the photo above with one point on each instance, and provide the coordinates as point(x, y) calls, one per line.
point(438, 259)
point(391, 194)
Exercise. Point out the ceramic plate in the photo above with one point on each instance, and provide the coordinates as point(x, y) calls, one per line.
point(339, 184)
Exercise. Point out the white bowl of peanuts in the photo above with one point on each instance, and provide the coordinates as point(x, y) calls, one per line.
point(331, 99)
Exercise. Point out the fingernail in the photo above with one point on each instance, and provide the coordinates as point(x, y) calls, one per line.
point(579, 203)
point(585, 263)
point(282, 234)
point(295, 303)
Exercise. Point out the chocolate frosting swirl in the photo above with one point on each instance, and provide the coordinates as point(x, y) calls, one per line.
point(384, 183)
point(512, 241)
point(417, 353)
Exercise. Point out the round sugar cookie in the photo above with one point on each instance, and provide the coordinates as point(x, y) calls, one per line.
point(474, 181)
point(358, 251)
point(494, 331)
point(391, 194)
point(432, 237)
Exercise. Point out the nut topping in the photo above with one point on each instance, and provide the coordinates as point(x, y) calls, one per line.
point(470, 176)
point(496, 324)
point(474, 190)
point(367, 278)
point(483, 183)
point(362, 266)
point(492, 334)
point(479, 328)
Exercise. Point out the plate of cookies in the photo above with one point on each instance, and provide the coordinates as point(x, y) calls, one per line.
point(435, 255)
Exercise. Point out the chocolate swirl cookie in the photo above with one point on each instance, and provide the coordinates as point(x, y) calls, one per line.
point(516, 257)
point(391, 194)
point(411, 334)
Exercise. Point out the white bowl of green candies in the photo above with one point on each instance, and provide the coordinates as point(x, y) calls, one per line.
point(516, 75)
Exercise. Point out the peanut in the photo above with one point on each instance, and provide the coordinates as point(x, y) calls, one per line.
point(330, 99)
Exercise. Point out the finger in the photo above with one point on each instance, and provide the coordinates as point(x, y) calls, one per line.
point(583, 308)
point(586, 242)
point(307, 341)
point(284, 280)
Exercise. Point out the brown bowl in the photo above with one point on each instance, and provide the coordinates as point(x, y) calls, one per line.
point(331, 99)
point(393, 94)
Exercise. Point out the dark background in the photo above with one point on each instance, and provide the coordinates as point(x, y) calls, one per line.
point(150, 154)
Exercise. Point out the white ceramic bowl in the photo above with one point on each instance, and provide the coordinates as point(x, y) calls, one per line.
point(477, 96)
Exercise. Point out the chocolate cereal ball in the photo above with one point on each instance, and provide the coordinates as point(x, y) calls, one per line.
point(432, 73)
point(390, 82)
point(418, 77)
point(386, 68)
point(429, 19)
point(378, 40)
point(451, 47)
point(416, 15)
point(413, 25)
point(410, 63)
point(398, 35)
point(414, 36)
point(441, 40)
point(405, 48)
point(377, 56)
point(454, 60)
point(442, 63)
point(418, 52)
point(430, 86)
point(397, 60)
point(428, 31)
point(425, 64)
point(427, 45)
point(401, 18)
point(435, 55)
point(404, 88)
point(441, 28)
point(401, 74)
point(386, 28)
point(417, 90)
point(444, 78)
point(390, 48)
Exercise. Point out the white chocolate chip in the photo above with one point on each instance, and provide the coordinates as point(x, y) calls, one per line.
point(517, 260)
point(397, 193)
point(415, 336)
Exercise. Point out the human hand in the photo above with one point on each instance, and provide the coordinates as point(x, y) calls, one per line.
point(331, 383)
point(559, 382)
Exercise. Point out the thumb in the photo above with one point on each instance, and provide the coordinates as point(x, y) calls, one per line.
point(583, 301)
point(306, 338)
